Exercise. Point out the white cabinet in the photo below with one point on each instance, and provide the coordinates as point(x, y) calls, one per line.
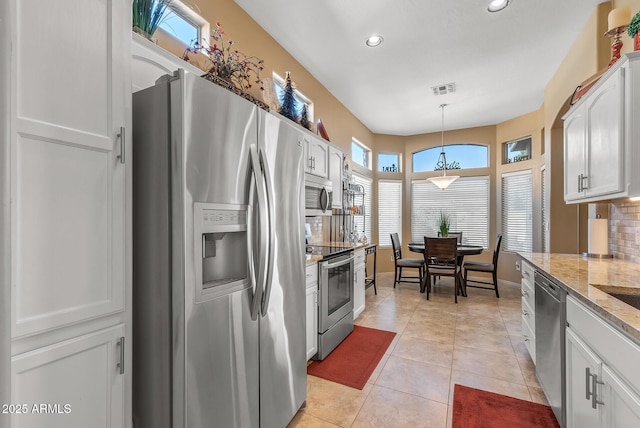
point(603, 383)
point(335, 175)
point(312, 310)
point(528, 309)
point(600, 137)
point(79, 379)
point(316, 154)
point(358, 282)
point(70, 202)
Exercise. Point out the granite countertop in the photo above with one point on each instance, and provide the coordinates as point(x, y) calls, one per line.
point(311, 259)
point(585, 278)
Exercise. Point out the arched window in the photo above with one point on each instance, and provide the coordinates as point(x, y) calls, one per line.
point(459, 156)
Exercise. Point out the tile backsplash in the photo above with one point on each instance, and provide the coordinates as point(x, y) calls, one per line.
point(315, 224)
point(624, 230)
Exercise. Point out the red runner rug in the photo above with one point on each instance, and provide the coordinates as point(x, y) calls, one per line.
point(476, 408)
point(353, 361)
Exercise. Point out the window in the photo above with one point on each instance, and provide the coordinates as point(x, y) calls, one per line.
point(363, 222)
point(301, 99)
point(389, 211)
point(544, 216)
point(466, 201)
point(360, 154)
point(517, 150)
point(459, 156)
point(388, 162)
point(516, 211)
point(184, 23)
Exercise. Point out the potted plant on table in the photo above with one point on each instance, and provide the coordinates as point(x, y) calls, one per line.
point(633, 29)
point(444, 224)
point(147, 16)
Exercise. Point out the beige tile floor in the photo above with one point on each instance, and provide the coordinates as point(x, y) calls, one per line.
point(476, 343)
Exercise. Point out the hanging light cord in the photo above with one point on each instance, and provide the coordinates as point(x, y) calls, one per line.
point(442, 154)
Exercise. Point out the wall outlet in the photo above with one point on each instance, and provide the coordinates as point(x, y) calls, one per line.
point(518, 265)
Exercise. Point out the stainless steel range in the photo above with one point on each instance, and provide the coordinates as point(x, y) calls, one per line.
point(335, 294)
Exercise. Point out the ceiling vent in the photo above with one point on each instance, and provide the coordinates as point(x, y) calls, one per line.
point(447, 88)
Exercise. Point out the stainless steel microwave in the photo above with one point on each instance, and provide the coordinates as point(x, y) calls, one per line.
point(317, 196)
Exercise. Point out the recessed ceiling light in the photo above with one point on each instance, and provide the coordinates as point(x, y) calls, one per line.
point(497, 5)
point(374, 41)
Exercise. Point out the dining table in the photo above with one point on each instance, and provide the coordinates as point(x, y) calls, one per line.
point(462, 250)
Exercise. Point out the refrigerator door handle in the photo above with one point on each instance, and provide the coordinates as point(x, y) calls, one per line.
point(256, 186)
point(271, 231)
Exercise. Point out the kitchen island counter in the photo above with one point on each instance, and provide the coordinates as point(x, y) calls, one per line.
point(586, 278)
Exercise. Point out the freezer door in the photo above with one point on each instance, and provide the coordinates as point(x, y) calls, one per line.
point(283, 384)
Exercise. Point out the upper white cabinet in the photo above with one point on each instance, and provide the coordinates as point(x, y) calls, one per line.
point(335, 175)
point(316, 154)
point(601, 137)
point(70, 117)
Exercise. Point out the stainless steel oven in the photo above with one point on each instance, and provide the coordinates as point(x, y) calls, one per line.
point(318, 194)
point(335, 314)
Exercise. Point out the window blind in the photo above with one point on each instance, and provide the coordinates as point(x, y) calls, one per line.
point(363, 222)
point(465, 201)
point(389, 211)
point(517, 211)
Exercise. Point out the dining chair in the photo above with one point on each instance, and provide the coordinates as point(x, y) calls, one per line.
point(440, 260)
point(485, 267)
point(401, 263)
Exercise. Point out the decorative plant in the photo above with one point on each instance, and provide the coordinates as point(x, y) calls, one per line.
point(288, 101)
point(147, 15)
point(444, 224)
point(634, 26)
point(304, 118)
point(227, 63)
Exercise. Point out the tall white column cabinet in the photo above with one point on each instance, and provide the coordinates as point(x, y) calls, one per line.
point(69, 118)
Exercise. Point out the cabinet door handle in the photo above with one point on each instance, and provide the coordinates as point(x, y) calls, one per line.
point(121, 136)
point(594, 394)
point(587, 385)
point(120, 364)
point(582, 185)
point(579, 183)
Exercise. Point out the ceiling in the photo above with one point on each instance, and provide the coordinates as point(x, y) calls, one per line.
point(499, 62)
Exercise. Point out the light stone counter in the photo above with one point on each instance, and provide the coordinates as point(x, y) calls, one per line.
point(585, 278)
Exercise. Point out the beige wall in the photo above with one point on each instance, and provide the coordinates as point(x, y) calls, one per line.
point(589, 54)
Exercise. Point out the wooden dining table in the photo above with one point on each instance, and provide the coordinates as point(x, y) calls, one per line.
point(462, 250)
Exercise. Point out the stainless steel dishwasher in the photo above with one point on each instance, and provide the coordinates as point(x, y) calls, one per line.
point(551, 320)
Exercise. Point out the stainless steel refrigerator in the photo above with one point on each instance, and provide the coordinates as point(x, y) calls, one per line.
point(219, 283)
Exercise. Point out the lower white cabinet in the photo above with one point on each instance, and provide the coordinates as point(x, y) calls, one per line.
point(528, 309)
point(603, 388)
point(358, 282)
point(312, 310)
point(74, 383)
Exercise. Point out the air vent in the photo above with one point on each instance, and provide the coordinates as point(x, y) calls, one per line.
point(447, 88)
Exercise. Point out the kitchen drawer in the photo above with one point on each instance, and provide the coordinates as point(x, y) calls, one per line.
point(529, 315)
point(528, 293)
point(527, 272)
point(615, 349)
point(529, 339)
point(312, 274)
point(359, 257)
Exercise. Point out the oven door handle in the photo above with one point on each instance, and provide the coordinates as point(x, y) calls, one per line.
point(329, 265)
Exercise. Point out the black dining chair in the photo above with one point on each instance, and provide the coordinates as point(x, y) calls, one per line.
point(440, 260)
point(401, 263)
point(485, 267)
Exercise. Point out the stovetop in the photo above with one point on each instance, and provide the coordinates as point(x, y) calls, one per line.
point(327, 252)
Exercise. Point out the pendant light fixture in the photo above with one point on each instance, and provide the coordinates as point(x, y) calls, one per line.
point(443, 181)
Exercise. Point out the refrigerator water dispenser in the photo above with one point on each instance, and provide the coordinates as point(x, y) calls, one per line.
point(220, 244)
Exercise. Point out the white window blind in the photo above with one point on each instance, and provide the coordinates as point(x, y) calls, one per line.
point(517, 211)
point(363, 222)
point(465, 201)
point(389, 211)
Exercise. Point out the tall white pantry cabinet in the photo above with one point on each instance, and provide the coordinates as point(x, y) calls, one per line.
point(69, 181)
